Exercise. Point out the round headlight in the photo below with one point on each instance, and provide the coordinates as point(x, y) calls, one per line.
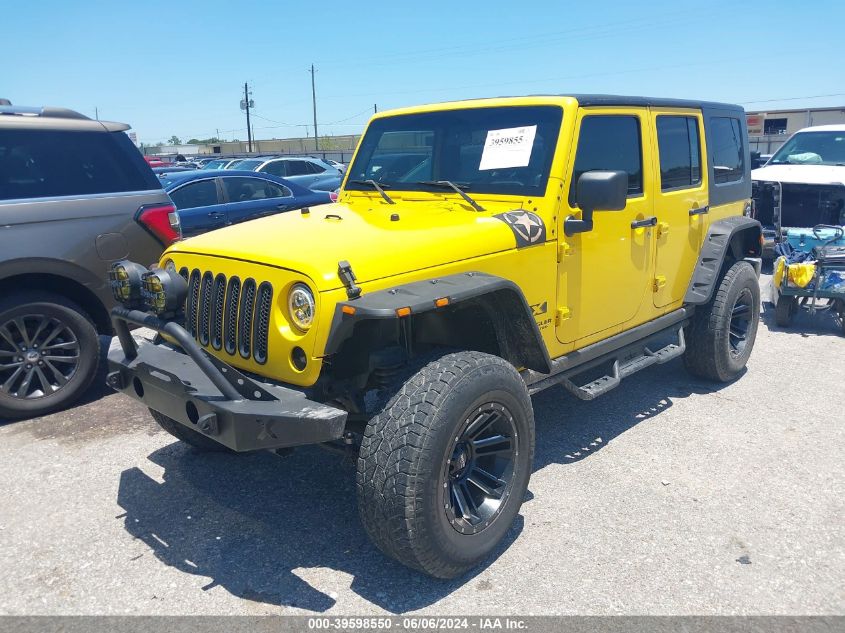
point(301, 306)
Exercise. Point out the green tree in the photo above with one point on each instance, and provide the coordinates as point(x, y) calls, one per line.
point(204, 141)
point(175, 140)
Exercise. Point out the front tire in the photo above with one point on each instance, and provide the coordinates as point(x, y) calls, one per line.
point(445, 463)
point(721, 334)
point(49, 353)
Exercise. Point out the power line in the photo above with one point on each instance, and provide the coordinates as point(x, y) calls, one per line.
point(839, 94)
point(588, 31)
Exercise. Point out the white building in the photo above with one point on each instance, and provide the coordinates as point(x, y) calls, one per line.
point(768, 130)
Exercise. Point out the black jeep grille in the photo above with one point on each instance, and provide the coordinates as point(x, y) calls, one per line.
point(229, 314)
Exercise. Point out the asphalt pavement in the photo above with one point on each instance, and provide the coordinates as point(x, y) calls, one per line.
point(667, 496)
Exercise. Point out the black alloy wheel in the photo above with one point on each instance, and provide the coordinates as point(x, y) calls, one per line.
point(741, 315)
point(479, 474)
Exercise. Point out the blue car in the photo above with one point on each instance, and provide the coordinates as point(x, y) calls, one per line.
point(210, 199)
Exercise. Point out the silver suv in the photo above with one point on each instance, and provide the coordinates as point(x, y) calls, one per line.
point(75, 195)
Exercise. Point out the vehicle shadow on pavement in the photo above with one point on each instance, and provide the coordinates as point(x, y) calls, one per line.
point(257, 525)
point(803, 324)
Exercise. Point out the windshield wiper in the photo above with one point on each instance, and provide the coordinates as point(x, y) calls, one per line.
point(375, 186)
point(459, 189)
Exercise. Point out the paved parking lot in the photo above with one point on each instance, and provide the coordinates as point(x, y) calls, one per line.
point(664, 497)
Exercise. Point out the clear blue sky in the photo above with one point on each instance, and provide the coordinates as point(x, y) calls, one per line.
point(178, 67)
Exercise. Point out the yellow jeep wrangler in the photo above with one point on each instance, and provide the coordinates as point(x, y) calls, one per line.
point(480, 251)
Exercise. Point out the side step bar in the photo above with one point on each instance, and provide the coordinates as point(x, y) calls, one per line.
point(623, 369)
point(625, 360)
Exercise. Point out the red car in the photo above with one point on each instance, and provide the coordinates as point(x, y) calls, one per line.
point(155, 162)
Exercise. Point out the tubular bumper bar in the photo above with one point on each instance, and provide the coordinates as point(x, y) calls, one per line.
point(210, 397)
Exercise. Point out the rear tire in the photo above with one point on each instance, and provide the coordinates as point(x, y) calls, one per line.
point(194, 438)
point(722, 332)
point(462, 423)
point(49, 353)
point(785, 310)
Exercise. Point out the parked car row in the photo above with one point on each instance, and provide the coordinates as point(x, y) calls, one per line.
point(76, 196)
point(211, 200)
point(313, 173)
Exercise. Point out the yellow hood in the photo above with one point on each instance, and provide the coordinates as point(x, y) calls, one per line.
point(426, 234)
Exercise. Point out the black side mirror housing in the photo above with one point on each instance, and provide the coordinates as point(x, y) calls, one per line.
point(597, 191)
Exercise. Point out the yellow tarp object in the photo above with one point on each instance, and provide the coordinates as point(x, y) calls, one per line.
point(799, 274)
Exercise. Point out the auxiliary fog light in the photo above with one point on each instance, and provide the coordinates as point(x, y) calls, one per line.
point(125, 281)
point(164, 291)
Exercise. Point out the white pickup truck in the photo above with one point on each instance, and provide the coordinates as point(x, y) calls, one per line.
point(802, 185)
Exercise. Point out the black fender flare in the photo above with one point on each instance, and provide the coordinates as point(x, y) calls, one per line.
point(517, 326)
point(739, 235)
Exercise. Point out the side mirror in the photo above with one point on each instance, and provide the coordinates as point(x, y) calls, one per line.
point(597, 191)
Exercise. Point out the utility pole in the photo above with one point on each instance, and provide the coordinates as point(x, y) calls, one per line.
point(375, 108)
point(246, 104)
point(96, 113)
point(314, 104)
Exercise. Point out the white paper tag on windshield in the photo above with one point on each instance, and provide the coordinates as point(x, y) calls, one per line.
point(510, 147)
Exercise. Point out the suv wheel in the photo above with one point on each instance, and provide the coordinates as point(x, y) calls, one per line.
point(444, 464)
point(721, 335)
point(49, 353)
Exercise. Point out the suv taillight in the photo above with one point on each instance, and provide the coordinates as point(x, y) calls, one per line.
point(155, 218)
point(175, 223)
point(333, 196)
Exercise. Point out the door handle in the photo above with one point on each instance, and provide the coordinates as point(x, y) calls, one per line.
point(216, 215)
point(641, 224)
point(699, 211)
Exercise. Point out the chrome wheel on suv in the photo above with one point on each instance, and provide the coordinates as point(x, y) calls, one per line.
point(38, 356)
point(49, 352)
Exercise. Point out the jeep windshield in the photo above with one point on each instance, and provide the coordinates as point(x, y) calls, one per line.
point(504, 150)
point(812, 148)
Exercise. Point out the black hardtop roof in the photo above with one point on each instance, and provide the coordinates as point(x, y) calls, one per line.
point(656, 102)
point(587, 100)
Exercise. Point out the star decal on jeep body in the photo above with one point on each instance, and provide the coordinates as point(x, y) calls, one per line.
point(527, 227)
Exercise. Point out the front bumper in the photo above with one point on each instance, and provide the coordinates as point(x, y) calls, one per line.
point(210, 397)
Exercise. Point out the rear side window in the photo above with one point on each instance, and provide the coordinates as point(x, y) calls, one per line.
point(727, 150)
point(680, 156)
point(276, 168)
point(244, 189)
point(297, 168)
point(195, 194)
point(610, 142)
point(314, 168)
point(44, 163)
